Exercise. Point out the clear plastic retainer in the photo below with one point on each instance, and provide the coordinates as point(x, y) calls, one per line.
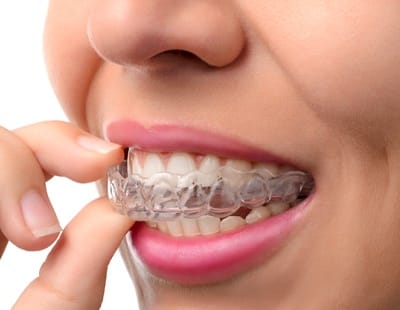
point(165, 196)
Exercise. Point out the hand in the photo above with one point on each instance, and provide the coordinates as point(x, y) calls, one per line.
point(28, 157)
point(73, 276)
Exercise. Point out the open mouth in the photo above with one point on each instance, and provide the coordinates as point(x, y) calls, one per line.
point(207, 207)
point(184, 194)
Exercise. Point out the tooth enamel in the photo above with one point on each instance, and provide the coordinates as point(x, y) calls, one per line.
point(231, 168)
point(163, 227)
point(278, 207)
point(257, 214)
point(254, 193)
point(284, 168)
point(240, 165)
point(181, 163)
point(190, 228)
point(210, 163)
point(152, 165)
point(231, 223)
point(208, 225)
point(271, 168)
point(175, 228)
point(135, 167)
point(208, 167)
point(152, 224)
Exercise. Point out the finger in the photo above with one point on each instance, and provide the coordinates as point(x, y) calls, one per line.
point(63, 149)
point(73, 275)
point(58, 148)
point(26, 217)
point(3, 243)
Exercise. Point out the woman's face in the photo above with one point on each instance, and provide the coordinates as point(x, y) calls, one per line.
point(315, 83)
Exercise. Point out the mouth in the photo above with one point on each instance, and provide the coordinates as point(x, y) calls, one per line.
point(187, 195)
point(205, 217)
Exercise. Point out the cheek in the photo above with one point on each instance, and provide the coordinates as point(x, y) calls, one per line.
point(70, 61)
point(343, 57)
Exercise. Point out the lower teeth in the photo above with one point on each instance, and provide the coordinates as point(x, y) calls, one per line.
point(209, 225)
point(161, 198)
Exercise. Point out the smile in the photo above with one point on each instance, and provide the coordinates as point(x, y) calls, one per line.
point(206, 217)
point(182, 194)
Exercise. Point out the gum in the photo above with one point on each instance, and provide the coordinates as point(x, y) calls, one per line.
point(166, 196)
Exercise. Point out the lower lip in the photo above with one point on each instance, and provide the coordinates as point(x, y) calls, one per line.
point(202, 260)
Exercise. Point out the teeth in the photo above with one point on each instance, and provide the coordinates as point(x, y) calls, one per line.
point(278, 207)
point(181, 164)
point(163, 227)
point(240, 165)
point(210, 163)
point(136, 167)
point(190, 227)
point(175, 228)
point(258, 214)
point(236, 179)
point(152, 165)
point(271, 168)
point(284, 168)
point(179, 172)
point(208, 167)
point(231, 223)
point(152, 224)
point(208, 225)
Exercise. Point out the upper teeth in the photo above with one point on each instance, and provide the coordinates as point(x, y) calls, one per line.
point(180, 163)
point(179, 185)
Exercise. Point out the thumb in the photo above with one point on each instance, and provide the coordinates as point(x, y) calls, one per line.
point(73, 275)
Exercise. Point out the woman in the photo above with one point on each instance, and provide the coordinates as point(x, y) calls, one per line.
point(306, 86)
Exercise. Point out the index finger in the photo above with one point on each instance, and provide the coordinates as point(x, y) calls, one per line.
point(3, 243)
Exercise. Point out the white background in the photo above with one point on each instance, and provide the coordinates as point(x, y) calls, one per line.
point(26, 97)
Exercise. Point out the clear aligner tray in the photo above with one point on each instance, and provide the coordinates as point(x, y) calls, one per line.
point(165, 196)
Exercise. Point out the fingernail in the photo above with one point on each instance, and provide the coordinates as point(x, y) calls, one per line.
point(95, 144)
point(38, 215)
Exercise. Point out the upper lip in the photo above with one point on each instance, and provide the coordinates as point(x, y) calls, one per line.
point(172, 138)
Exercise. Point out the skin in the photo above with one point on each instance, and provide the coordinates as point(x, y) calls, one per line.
point(319, 79)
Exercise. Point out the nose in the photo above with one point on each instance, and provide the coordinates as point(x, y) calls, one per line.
point(131, 32)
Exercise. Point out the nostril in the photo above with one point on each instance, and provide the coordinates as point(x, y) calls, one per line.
point(177, 53)
point(175, 58)
point(181, 53)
